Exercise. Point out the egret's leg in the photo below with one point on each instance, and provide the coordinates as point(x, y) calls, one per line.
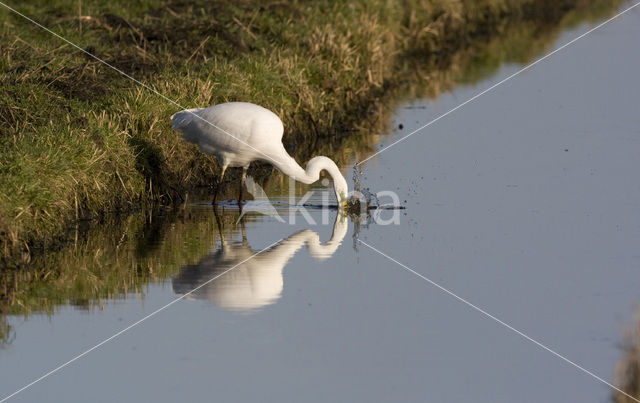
point(245, 242)
point(220, 227)
point(217, 186)
point(242, 180)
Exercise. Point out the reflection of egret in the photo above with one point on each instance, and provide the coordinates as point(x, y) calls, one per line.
point(258, 281)
point(238, 133)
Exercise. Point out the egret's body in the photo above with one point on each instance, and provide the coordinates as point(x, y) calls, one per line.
point(238, 133)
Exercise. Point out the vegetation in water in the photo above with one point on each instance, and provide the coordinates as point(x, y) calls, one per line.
point(627, 371)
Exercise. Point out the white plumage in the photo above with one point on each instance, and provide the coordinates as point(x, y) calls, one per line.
point(238, 133)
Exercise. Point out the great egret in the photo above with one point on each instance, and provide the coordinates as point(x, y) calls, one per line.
point(238, 133)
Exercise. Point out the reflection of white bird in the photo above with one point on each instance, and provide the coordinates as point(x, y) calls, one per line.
point(238, 133)
point(258, 281)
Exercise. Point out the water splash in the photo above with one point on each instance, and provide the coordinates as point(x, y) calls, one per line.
point(360, 193)
point(358, 189)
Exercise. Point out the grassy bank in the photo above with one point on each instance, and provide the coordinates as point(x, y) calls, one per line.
point(79, 140)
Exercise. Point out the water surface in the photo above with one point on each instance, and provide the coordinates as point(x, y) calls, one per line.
point(526, 202)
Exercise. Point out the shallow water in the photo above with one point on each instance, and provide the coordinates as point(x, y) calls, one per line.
point(525, 202)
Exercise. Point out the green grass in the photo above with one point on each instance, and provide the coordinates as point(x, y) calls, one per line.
point(81, 141)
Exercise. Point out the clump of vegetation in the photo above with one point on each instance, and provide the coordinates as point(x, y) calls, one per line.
point(356, 207)
point(79, 140)
point(627, 371)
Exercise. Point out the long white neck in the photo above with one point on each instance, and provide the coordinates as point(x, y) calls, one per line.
point(290, 167)
point(282, 252)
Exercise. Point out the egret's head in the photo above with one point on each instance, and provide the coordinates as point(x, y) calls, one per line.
point(340, 187)
point(342, 190)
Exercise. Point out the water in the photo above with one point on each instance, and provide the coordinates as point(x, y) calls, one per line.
point(525, 202)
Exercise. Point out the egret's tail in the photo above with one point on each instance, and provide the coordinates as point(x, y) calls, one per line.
point(183, 118)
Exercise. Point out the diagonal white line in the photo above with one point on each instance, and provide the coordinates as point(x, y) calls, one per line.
point(135, 80)
point(498, 83)
point(490, 316)
point(108, 339)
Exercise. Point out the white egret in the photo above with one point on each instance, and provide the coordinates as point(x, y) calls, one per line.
point(238, 133)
